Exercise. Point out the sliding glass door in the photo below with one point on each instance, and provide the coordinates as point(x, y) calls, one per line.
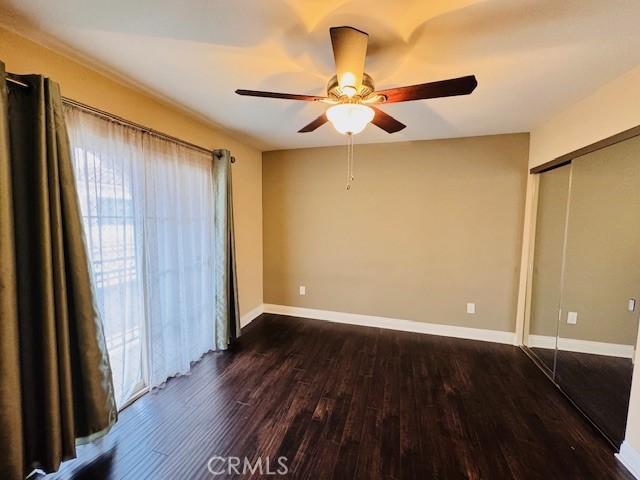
point(147, 207)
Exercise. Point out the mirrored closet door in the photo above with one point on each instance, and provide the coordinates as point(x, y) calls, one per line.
point(585, 281)
point(546, 280)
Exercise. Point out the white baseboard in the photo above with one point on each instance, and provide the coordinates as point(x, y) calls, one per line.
point(583, 346)
point(250, 316)
point(542, 341)
point(495, 336)
point(630, 458)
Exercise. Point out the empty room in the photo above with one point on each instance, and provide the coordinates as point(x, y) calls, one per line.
point(307, 239)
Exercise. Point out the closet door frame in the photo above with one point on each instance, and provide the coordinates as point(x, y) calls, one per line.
point(599, 145)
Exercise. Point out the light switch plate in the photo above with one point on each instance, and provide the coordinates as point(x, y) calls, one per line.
point(471, 308)
point(632, 305)
point(303, 290)
point(572, 318)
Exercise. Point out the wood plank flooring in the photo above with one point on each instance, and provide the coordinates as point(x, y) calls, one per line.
point(346, 402)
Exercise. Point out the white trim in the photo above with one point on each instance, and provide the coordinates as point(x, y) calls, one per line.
point(251, 315)
point(630, 458)
point(583, 346)
point(495, 336)
point(523, 306)
point(542, 341)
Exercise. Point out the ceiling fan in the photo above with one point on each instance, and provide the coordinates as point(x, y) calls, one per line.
point(352, 94)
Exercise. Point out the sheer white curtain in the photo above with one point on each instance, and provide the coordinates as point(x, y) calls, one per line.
point(147, 206)
point(108, 169)
point(179, 255)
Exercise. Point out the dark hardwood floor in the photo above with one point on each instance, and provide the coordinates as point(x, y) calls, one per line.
point(350, 402)
point(599, 385)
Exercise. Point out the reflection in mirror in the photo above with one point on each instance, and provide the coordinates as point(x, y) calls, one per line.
point(598, 323)
point(553, 192)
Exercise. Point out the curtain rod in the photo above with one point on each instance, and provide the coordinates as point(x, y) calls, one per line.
point(17, 82)
point(125, 122)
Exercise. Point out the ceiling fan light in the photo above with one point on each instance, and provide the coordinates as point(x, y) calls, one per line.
point(349, 91)
point(347, 79)
point(350, 118)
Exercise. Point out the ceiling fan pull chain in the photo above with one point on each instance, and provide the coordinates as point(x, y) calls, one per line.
point(349, 160)
point(353, 159)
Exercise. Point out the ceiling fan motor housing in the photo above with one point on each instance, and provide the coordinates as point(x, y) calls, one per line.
point(334, 91)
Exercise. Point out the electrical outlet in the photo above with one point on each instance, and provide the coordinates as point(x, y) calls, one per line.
point(572, 318)
point(303, 290)
point(471, 308)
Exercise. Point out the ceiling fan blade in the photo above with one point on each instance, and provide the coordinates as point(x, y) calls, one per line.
point(318, 122)
point(349, 52)
point(285, 96)
point(386, 122)
point(443, 88)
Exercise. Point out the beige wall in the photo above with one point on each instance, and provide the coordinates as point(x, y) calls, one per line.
point(613, 108)
point(397, 244)
point(88, 86)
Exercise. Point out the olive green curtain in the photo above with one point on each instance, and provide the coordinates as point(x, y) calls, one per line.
point(55, 379)
point(227, 310)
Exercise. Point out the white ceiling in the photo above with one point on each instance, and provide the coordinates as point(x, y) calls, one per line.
point(531, 57)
